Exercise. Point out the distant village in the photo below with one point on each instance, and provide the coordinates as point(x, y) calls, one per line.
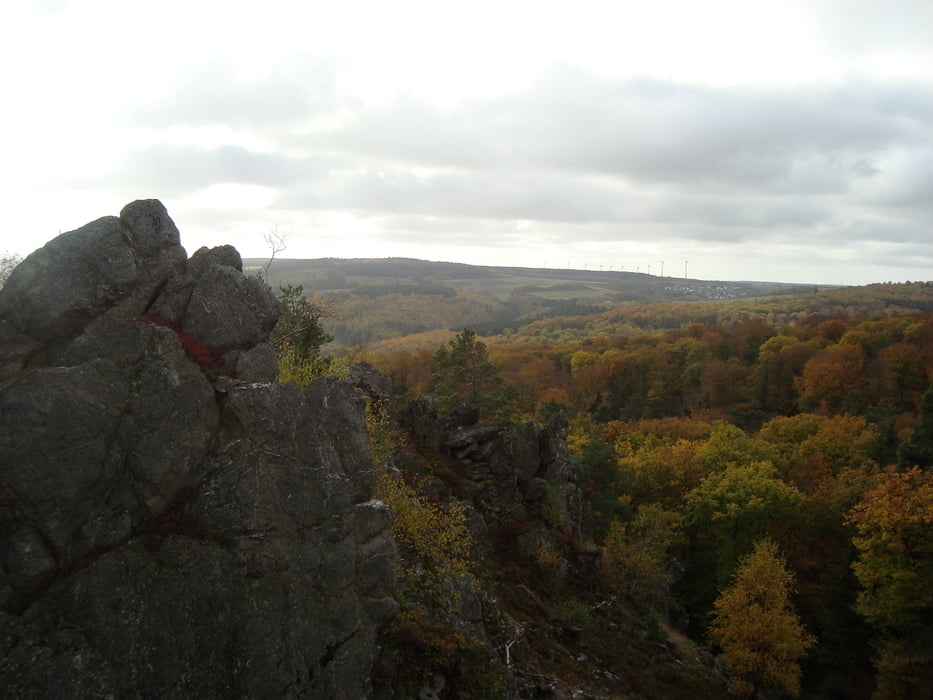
point(705, 291)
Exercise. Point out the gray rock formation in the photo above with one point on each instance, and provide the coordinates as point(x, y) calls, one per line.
point(53, 294)
point(376, 385)
point(171, 524)
point(528, 470)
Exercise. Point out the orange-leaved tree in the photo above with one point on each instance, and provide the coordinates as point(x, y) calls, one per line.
point(761, 636)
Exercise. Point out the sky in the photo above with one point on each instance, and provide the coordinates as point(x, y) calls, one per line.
point(784, 141)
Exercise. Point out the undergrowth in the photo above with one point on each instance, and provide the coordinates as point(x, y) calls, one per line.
point(436, 544)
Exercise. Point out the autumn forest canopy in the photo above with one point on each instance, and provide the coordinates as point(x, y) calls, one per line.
point(758, 469)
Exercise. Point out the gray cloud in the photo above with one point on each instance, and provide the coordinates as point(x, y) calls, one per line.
point(854, 29)
point(574, 156)
point(651, 131)
point(177, 169)
point(510, 195)
point(750, 213)
point(294, 93)
point(908, 182)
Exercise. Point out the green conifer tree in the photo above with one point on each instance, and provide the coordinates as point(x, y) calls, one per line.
point(299, 335)
point(464, 374)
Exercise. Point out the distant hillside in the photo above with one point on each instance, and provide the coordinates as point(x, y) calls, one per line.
point(395, 299)
point(342, 276)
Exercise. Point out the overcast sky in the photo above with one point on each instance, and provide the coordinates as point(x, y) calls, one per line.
point(785, 141)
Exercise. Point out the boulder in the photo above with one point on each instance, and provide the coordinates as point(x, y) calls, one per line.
point(256, 365)
point(463, 416)
point(133, 267)
point(375, 384)
point(55, 292)
point(471, 436)
point(227, 309)
point(421, 418)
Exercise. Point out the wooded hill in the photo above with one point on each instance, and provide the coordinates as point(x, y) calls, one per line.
point(398, 299)
point(345, 276)
point(384, 299)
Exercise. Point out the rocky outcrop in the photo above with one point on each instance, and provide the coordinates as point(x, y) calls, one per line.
point(507, 475)
point(171, 524)
point(133, 268)
point(519, 492)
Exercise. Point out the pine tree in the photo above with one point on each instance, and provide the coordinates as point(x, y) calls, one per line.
point(464, 374)
point(299, 335)
point(603, 481)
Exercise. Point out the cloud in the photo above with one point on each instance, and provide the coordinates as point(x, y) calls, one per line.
point(589, 150)
point(184, 169)
point(295, 92)
point(463, 193)
point(49, 7)
point(574, 156)
point(906, 186)
point(854, 30)
point(645, 130)
point(638, 157)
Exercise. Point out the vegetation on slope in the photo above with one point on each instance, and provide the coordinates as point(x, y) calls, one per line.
point(706, 430)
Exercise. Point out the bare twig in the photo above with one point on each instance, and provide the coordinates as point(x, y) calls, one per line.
point(275, 241)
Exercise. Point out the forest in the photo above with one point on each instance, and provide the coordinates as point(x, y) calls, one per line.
point(757, 470)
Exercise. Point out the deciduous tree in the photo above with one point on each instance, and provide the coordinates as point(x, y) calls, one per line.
point(894, 524)
point(830, 377)
point(638, 559)
point(761, 636)
point(726, 514)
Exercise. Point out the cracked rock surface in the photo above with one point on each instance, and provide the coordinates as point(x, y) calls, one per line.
point(171, 523)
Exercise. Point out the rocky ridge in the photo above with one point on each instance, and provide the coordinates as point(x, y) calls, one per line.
point(171, 523)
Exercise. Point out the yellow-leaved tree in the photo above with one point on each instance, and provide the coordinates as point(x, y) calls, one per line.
point(761, 636)
point(894, 526)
